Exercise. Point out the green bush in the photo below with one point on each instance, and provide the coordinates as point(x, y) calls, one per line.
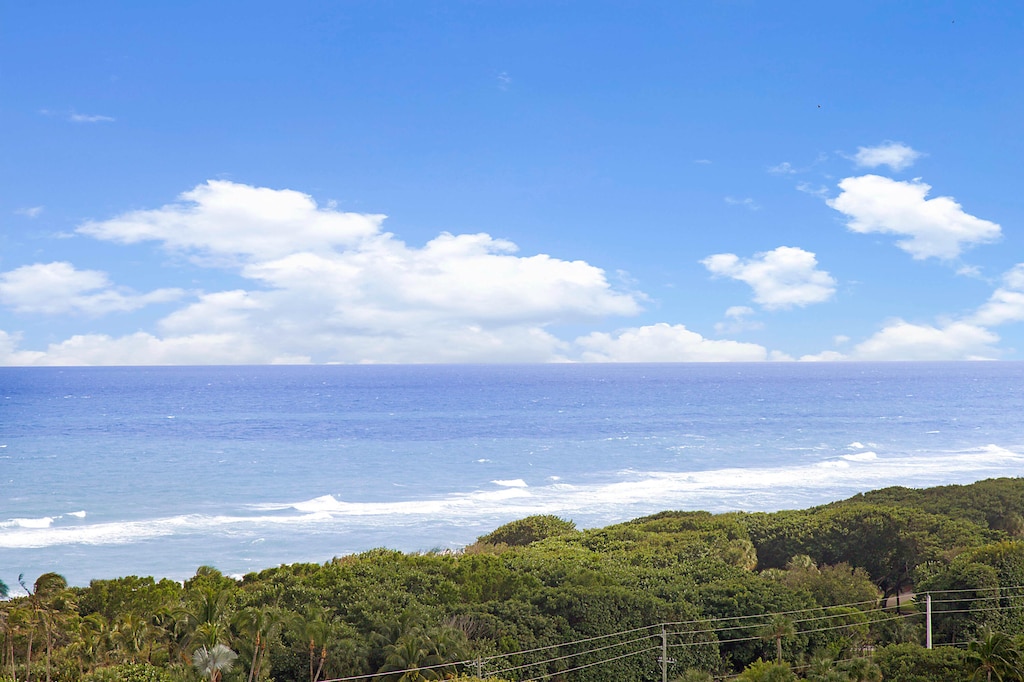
point(914, 663)
point(129, 672)
point(529, 530)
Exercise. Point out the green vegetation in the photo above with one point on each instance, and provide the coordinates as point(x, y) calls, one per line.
point(781, 596)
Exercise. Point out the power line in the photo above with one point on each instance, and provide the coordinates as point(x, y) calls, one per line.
point(853, 612)
point(590, 665)
point(573, 655)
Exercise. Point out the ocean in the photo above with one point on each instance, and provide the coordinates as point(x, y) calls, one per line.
point(107, 472)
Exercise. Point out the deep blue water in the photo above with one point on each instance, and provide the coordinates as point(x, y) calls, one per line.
point(114, 471)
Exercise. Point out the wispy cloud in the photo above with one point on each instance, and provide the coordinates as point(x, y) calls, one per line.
point(784, 168)
point(30, 211)
point(972, 271)
point(807, 188)
point(75, 117)
point(895, 155)
point(1006, 303)
point(746, 203)
point(703, 162)
point(504, 80)
point(736, 321)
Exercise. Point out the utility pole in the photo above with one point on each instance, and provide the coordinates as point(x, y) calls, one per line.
point(664, 655)
point(665, 660)
point(928, 620)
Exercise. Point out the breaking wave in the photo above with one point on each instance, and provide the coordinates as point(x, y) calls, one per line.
point(626, 494)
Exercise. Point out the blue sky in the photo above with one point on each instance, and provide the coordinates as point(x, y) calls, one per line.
point(189, 183)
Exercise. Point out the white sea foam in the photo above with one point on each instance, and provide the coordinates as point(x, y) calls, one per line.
point(628, 493)
point(77, 514)
point(324, 503)
point(861, 457)
point(856, 445)
point(43, 522)
point(511, 483)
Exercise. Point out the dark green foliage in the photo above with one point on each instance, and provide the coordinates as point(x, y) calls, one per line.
point(971, 592)
point(914, 663)
point(746, 595)
point(996, 503)
point(764, 671)
point(830, 585)
point(130, 594)
point(994, 656)
point(887, 542)
point(538, 598)
point(129, 672)
point(529, 530)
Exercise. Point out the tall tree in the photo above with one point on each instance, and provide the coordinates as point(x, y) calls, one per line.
point(51, 602)
point(779, 627)
point(255, 627)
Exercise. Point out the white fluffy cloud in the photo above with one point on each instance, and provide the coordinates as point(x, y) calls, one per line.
point(782, 278)
point(665, 343)
point(57, 288)
point(967, 338)
point(902, 340)
point(329, 286)
point(932, 228)
point(465, 277)
point(895, 155)
point(1006, 303)
point(223, 218)
point(143, 348)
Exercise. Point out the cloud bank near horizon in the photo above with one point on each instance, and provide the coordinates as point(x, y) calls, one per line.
point(323, 285)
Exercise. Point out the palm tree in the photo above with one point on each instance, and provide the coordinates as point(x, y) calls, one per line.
point(779, 627)
point(862, 670)
point(19, 619)
point(996, 655)
point(212, 663)
point(205, 622)
point(762, 671)
point(410, 659)
point(93, 640)
point(169, 631)
point(258, 625)
point(823, 669)
point(132, 634)
point(4, 626)
point(6, 634)
point(313, 629)
point(46, 598)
